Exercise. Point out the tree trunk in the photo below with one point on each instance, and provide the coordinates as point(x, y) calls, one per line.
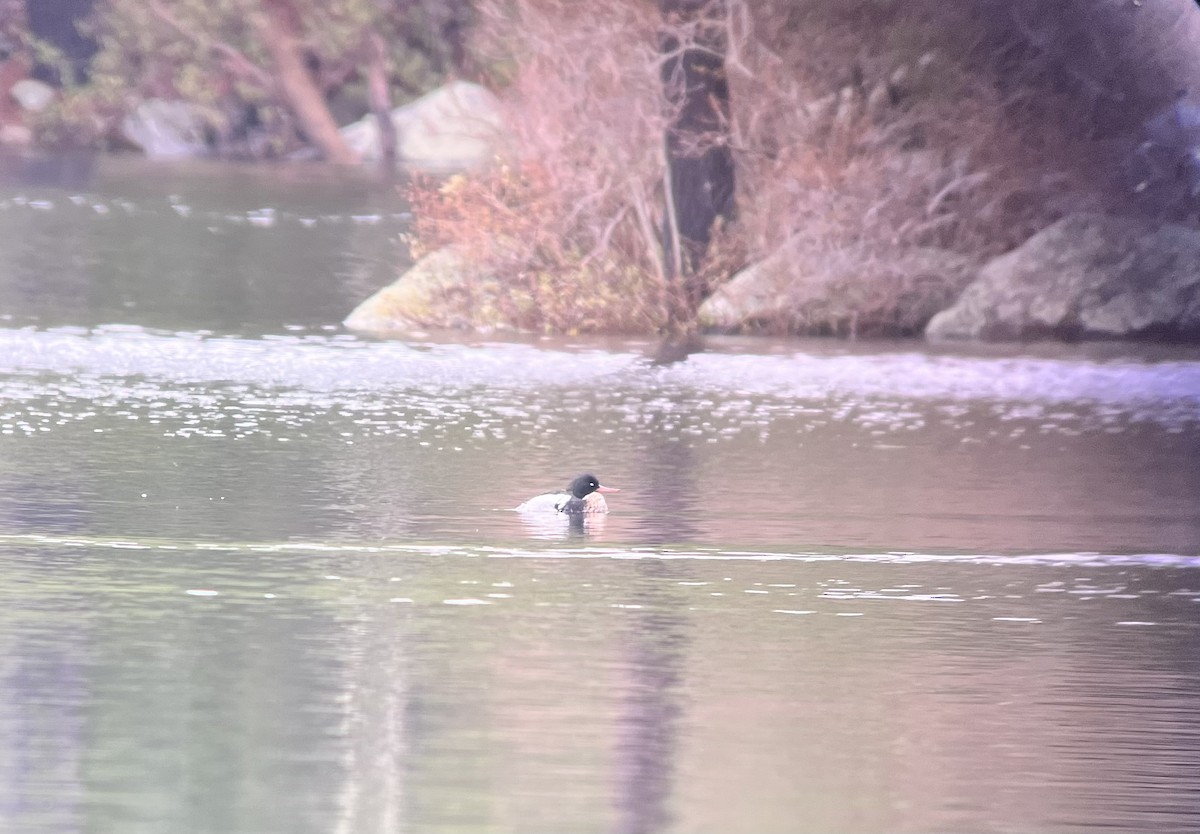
point(450, 18)
point(57, 23)
point(379, 98)
point(699, 161)
point(281, 33)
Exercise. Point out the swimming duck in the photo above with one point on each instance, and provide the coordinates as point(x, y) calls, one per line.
point(583, 495)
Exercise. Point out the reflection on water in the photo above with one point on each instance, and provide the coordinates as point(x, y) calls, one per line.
point(192, 245)
point(258, 575)
point(435, 688)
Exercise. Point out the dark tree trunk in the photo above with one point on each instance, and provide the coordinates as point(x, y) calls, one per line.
point(55, 22)
point(699, 161)
point(281, 32)
point(450, 19)
point(379, 98)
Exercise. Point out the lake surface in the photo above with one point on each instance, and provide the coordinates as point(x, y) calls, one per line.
point(260, 575)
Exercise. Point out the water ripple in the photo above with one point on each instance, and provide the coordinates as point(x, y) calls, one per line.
point(1159, 560)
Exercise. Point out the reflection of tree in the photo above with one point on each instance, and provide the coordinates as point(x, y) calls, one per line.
point(648, 722)
point(376, 700)
point(43, 702)
point(669, 483)
point(151, 267)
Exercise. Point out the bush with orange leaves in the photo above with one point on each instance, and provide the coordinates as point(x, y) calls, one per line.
point(570, 224)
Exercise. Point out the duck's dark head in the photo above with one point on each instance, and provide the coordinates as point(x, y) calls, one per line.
point(586, 484)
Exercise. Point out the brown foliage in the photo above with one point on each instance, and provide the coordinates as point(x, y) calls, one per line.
point(571, 223)
point(903, 141)
point(862, 129)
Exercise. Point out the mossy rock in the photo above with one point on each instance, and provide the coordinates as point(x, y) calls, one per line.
point(1088, 276)
point(443, 290)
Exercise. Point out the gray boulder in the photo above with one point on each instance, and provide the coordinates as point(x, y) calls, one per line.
point(1086, 276)
point(166, 129)
point(34, 96)
point(455, 127)
point(851, 292)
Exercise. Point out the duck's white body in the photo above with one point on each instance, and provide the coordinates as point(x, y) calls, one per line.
point(554, 502)
point(582, 497)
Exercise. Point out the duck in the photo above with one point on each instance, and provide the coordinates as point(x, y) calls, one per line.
point(583, 496)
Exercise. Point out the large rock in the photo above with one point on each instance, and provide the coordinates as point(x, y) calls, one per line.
point(34, 96)
point(442, 290)
point(1086, 276)
point(455, 127)
point(166, 129)
point(851, 292)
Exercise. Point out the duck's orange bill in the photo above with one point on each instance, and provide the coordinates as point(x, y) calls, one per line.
point(607, 489)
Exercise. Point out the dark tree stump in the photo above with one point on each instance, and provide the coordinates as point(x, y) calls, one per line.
point(699, 161)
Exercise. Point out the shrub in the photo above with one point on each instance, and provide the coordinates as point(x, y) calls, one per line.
point(570, 221)
point(862, 130)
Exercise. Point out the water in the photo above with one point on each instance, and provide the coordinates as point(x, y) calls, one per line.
point(260, 575)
